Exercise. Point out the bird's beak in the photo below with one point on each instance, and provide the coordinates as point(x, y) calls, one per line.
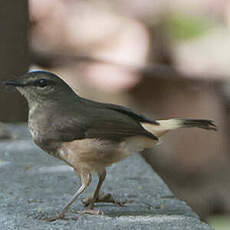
point(15, 83)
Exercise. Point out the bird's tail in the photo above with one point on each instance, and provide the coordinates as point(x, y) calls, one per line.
point(166, 125)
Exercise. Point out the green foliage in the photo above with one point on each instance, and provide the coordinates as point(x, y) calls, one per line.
point(220, 222)
point(183, 27)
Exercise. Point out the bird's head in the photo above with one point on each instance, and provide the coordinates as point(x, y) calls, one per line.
point(41, 86)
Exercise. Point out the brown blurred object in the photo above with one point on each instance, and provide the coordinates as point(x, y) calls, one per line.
point(95, 29)
point(195, 164)
point(14, 56)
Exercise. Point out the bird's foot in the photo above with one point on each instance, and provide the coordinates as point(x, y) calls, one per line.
point(106, 198)
point(61, 216)
point(92, 212)
point(54, 218)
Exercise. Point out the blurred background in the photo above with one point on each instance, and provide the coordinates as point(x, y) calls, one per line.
point(162, 58)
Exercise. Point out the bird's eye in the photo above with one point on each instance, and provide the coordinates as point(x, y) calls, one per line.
point(42, 83)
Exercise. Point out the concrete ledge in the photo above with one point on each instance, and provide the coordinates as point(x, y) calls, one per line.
point(34, 184)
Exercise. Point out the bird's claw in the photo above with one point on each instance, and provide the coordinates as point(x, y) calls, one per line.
point(106, 198)
point(92, 212)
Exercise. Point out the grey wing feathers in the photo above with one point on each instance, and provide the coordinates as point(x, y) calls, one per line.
point(114, 126)
point(137, 116)
point(121, 109)
point(68, 129)
point(116, 130)
point(99, 120)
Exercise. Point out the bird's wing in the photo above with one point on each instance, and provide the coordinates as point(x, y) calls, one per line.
point(131, 113)
point(101, 124)
point(65, 129)
point(116, 130)
point(122, 109)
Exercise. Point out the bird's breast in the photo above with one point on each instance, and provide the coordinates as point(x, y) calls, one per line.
point(41, 137)
point(90, 154)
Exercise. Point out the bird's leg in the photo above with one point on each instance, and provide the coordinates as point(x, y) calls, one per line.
point(89, 202)
point(99, 197)
point(85, 180)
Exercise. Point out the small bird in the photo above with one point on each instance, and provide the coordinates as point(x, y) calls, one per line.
point(88, 135)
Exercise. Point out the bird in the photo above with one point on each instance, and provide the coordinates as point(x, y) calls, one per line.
point(88, 135)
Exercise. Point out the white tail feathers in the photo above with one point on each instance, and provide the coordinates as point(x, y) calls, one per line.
point(166, 125)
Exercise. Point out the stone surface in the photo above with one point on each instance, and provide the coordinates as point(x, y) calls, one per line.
point(4, 131)
point(35, 185)
point(13, 131)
